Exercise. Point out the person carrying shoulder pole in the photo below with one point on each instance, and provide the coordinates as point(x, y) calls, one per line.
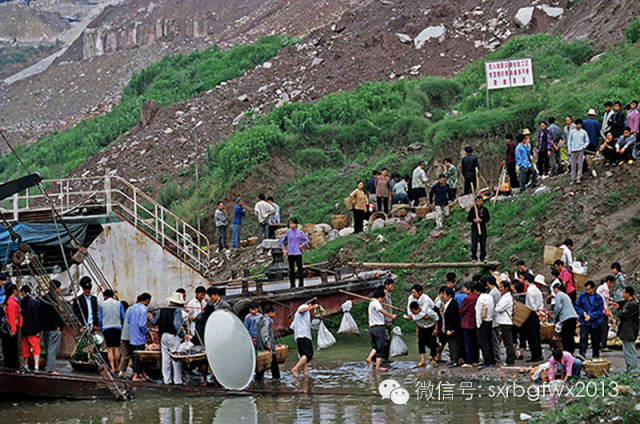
point(377, 328)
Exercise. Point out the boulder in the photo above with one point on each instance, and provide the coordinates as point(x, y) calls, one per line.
point(404, 38)
point(324, 228)
point(281, 231)
point(346, 232)
point(269, 244)
point(332, 235)
point(377, 224)
point(427, 34)
point(148, 111)
point(380, 238)
point(552, 12)
point(523, 16)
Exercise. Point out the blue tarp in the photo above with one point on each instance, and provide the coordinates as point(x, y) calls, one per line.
point(39, 235)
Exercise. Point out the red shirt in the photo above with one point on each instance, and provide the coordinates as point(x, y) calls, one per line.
point(567, 279)
point(13, 314)
point(468, 311)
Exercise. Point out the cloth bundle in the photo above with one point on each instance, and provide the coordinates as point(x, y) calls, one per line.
point(398, 347)
point(325, 338)
point(348, 324)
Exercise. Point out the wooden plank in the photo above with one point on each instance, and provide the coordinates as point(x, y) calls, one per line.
point(420, 265)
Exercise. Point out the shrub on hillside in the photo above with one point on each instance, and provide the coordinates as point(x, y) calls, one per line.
point(632, 31)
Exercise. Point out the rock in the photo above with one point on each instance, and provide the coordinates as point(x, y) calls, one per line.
point(237, 119)
point(402, 226)
point(525, 417)
point(380, 239)
point(317, 61)
point(392, 221)
point(404, 38)
point(637, 407)
point(377, 224)
point(523, 16)
point(267, 65)
point(451, 114)
point(427, 34)
point(148, 111)
point(608, 174)
point(332, 235)
point(325, 228)
point(243, 98)
point(268, 244)
point(412, 231)
point(541, 190)
point(553, 12)
point(415, 70)
point(596, 58)
point(168, 130)
point(346, 232)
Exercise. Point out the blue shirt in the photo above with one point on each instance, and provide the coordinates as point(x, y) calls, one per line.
point(592, 127)
point(251, 323)
point(275, 218)
point(138, 324)
point(522, 156)
point(238, 213)
point(593, 305)
point(2, 296)
point(459, 297)
point(578, 140)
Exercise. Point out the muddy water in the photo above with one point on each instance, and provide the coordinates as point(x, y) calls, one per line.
point(334, 393)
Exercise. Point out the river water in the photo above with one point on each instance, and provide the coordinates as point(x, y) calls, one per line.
point(335, 392)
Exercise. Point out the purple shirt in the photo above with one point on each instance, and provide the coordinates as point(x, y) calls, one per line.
point(633, 120)
point(295, 239)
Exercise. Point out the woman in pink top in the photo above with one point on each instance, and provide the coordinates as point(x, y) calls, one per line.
point(563, 365)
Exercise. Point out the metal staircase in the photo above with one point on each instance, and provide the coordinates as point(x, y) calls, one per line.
point(113, 195)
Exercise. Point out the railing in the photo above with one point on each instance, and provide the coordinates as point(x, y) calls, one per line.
point(111, 194)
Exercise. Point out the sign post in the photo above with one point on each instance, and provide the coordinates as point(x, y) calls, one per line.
point(508, 73)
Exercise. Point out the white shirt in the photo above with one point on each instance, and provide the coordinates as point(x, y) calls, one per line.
point(484, 299)
point(301, 324)
point(419, 178)
point(534, 299)
point(567, 256)
point(504, 310)
point(264, 210)
point(427, 317)
point(375, 314)
point(194, 307)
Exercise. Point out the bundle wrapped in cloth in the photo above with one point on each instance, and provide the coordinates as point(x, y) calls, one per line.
point(348, 324)
point(398, 347)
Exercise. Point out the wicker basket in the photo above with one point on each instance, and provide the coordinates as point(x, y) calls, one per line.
point(281, 353)
point(597, 368)
point(546, 332)
point(520, 313)
point(339, 222)
point(148, 355)
point(308, 228)
point(400, 210)
point(377, 215)
point(317, 240)
point(578, 281)
point(188, 359)
point(263, 361)
point(84, 366)
point(552, 254)
point(423, 201)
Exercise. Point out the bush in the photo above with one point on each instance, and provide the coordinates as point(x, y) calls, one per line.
point(312, 158)
point(632, 31)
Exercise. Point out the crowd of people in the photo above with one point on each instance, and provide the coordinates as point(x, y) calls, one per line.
point(497, 317)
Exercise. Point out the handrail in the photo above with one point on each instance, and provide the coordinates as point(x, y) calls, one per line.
point(119, 196)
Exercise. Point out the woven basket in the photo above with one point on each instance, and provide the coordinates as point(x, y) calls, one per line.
point(546, 332)
point(377, 215)
point(552, 254)
point(281, 353)
point(148, 355)
point(579, 280)
point(596, 368)
point(400, 210)
point(339, 222)
point(308, 228)
point(423, 201)
point(263, 361)
point(520, 313)
point(188, 359)
point(317, 240)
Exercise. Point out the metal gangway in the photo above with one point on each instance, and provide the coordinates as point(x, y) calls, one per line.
point(113, 195)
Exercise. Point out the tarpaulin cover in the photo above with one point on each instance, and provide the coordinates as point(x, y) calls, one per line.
point(39, 235)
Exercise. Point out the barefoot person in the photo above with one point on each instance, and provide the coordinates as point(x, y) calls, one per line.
point(301, 327)
point(376, 328)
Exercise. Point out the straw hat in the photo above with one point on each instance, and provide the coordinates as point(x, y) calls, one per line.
point(176, 298)
point(591, 112)
point(540, 280)
point(526, 131)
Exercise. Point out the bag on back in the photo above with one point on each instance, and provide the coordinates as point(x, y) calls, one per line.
point(348, 203)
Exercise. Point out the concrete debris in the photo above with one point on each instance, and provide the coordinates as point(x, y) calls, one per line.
point(404, 38)
point(552, 12)
point(427, 34)
point(346, 232)
point(523, 17)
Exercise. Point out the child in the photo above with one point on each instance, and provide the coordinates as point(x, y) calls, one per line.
point(267, 340)
point(251, 320)
point(563, 365)
point(301, 327)
point(377, 328)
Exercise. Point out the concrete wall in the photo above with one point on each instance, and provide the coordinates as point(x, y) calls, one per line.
point(134, 263)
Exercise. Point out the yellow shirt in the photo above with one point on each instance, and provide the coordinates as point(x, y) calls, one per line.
point(358, 199)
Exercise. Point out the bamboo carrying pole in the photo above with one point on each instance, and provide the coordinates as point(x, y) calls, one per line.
point(475, 208)
point(370, 298)
point(413, 265)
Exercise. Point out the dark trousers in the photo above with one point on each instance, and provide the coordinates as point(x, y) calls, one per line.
point(10, 351)
point(573, 296)
point(427, 339)
point(513, 176)
point(478, 239)
point(585, 332)
point(532, 330)
point(610, 155)
point(604, 333)
point(417, 193)
point(358, 220)
point(126, 354)
point(454, 347)
point(627, 155)
point(543, 162)
point(137, 363)
point(295, 260)
point(275, 370)
point(568, 334)
point(507, 340)
point(471, 353)
point(468, 182)
point(383, 203)
point(525, 175)
point(484, 340)
point(222, 237)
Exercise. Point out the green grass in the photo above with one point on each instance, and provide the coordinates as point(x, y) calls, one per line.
point(173, 79)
